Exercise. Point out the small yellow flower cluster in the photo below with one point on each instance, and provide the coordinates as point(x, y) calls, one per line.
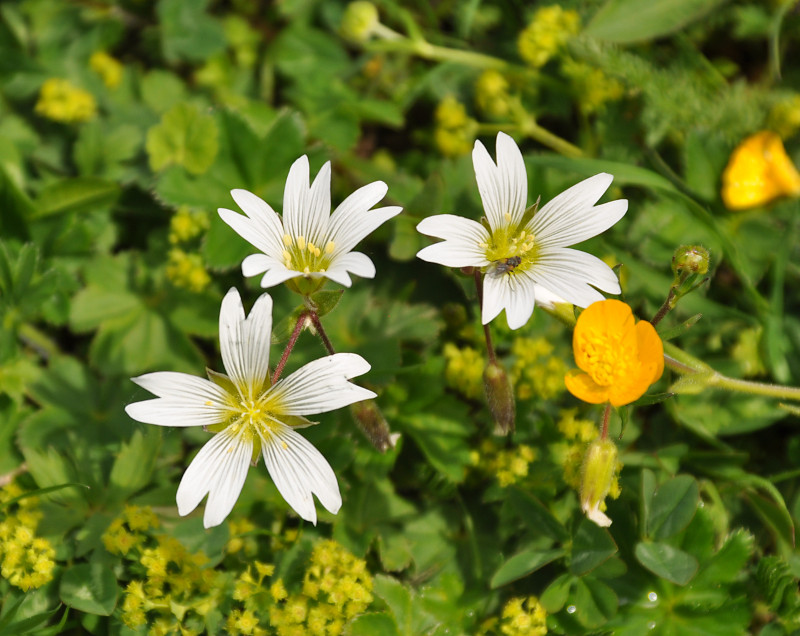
point(464, 370)
point(241, 539)
point(177, 590)
point(187, 270)
point(26, 561)
point(531, 374)
point(548, 32)
point(592, 87)
point(336, 587)
point(510, 466)
point(108, 68)
point(249, 589)
point(491, 94)
point(455, 130)
point(784, 117)
point(61, 101)
point(187, 224)
point(577, 433)
point(523, 617)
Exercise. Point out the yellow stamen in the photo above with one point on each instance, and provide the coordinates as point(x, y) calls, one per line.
point(301, 242)
point(330, 247)
point(311, 248)
point(287, 240)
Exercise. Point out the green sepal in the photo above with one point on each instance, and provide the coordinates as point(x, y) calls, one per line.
point(324, 301)
point(222, 380)
point(528, 215)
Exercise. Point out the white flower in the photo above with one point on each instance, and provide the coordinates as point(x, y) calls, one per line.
point(524, 249)
point(250, 415)
point(593, 513)
point(308, 241)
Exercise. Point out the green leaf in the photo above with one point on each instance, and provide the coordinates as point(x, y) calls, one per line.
point(727, 564)
point(134, 464)
point(326, 300)
point(90, 588)
point(595, 602)
point(555, 595)
point(534, 514)
point(591, 546)
point(673, 506)
point(185, 137)
point(522, 564)
point(667, 562)
point(82, 194)
point(626, 21)
point(372, 624)
point(442, 441)
point(17, 209)
point(161, 90)
point(187, 32)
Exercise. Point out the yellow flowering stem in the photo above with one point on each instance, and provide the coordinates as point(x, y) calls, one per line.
point(301, 322)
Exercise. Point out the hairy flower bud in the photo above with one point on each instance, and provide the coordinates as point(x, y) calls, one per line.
point(370, 418)
point(599, 473)
point(691, 259)
point(499, 397)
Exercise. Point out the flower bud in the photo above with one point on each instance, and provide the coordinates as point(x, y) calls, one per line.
point(499, 397)
point(691, 259)
point(359, 21)
point(370, 418)
point(599, 473)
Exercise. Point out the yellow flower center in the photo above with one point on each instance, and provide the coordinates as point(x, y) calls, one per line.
point(511, 250)
point(301, 255)
point(607, 358)
point(253, 420)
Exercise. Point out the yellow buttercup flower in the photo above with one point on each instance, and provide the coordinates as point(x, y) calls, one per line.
point(618, 357)
point(108, 68)
point(758, 172)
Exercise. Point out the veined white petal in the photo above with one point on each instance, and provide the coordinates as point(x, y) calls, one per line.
point(299, 470)
point(322, 385)
point(183, 400)
point(503, 187)
point(514, 293)
point(463, 242)
point(244, 342)
point(219, 470)
point(264, 224)
point(346, 235)
point(569, 274)
point(545, 298)
point(339, 275)
point(352, 219)
point(295, 198)
point(571, 214)
point(251, 231)
point(319, 207)
point(355, 263)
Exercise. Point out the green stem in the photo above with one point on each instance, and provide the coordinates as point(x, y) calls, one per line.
point(301, 321)
point(435, 53)
point(38, 341)
point(546, 138)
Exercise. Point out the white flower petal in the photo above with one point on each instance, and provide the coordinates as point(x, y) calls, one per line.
point(183, 400)
point(339, 275)
point(295, 198)
point(462, 244)
point(256, 264)
point(322, 385)
point(568, 273)
point(219, 470)
point(512, 292)
point(352, 219)
point(319, 208)
point(595, 514)
point(299, 470)
point(571, 218)
point(547, 299)
point(355, 263)
point(503, 187)
point(244, 342)
point(263, 228)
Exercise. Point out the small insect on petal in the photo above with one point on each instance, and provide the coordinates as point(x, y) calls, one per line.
point(506, 265)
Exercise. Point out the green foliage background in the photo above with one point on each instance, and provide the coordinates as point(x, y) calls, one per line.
point(221, 95)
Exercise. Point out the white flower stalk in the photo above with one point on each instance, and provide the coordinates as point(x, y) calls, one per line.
point(308, 241)
point(251, 416)
point(519, 249)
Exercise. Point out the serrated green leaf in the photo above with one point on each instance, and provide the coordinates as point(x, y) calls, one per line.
point(667, 562)
point(89, 587)
point(673, 506)
point(522, 564)
point(591, 546)
point(185, 137)
point(728, 563)
point(134, 464)
point(372, 624)
point(187, 32)
point(626, 21)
